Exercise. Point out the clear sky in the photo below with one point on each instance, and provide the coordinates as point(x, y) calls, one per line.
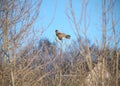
point(57, 8)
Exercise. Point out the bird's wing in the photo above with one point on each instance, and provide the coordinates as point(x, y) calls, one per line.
point(62, 35)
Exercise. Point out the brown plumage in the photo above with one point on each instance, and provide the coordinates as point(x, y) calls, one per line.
point(61, 35)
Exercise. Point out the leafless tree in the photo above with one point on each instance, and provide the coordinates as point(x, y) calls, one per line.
point(25, 63)
point(16, 21)
point(103, 52)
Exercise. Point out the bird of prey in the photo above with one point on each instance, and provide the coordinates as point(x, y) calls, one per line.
point(61, 35)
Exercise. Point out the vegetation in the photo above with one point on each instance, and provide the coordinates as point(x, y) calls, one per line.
point(25, 62)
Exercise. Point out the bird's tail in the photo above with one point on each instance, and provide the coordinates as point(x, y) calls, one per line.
point(67, 36)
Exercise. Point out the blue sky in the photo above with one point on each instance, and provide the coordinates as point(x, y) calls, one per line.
point(57, 8)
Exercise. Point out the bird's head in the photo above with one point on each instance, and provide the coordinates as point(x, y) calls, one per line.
point(56, 31)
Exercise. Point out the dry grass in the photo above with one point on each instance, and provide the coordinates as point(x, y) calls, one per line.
point(29, 63)
point(32, 69)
